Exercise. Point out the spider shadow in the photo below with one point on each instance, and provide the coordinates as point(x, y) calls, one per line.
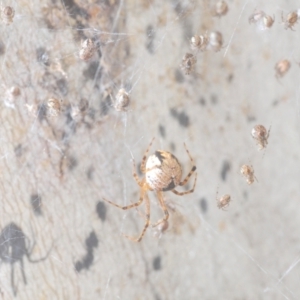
point(13, 248)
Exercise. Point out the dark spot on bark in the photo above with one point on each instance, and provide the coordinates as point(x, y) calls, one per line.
point(214, 99)
point(74, 9)
point(93, 71)
point(19, 150)
point(179, 76)
point(172, 147)
point(184, 119)
point(86, 262)
point(203, 205)
point(162, 130)
point(173, 112)
point(90, 173)
point(251, 119)
point(92, 113)
point(225, 169)
point(2, 48)
point(42, 112)
point(78, 266)
point(62, 85)
point(202, 101)
point(230, 78)
point(156, 263)
point(105, 105)
point(177, 7)
point(91, 241)
point(72, 163)
point(101, 210)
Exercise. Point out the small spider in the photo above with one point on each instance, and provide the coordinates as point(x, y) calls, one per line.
point(267, 21)
point(256, 16)
point(220, 9)
point(88, 49)
point(188, 62)
point(263, 20)
point(53, 107)
point(248, 172)
point(291, 20)
point(215, 41)
point(122, 100)
point(282, 68)
point(199, 42)
point(7, 14)
point(223, 202)
point(163, 173)
point(261, 135)
point(13, 248)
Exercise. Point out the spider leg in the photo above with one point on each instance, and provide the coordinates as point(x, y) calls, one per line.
point(187, 192)
point(192, 170)
point(139, 182)
point(143, 164)
point(164, 208)
point(130, 205)
point(22, 270)
point(147, 220)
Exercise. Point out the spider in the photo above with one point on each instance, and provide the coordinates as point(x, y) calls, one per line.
point(290, 21)
point(88, 49)
point(215, 41)
point(122, 100)
point(199, 42)
point(256, 16)
point(188, 62)
point(7, 14)
point(263, 20)
point(13, 248)
point(53, 107)
point(223, 202)
point(261, 135)
point(163, 173)
point(282, 67)
point(268, 21)
point(220, 9)
point(248, 172)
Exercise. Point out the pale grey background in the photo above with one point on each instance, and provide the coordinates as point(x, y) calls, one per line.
point(251, 251)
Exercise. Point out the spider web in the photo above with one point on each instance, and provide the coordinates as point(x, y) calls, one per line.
point(56, 170)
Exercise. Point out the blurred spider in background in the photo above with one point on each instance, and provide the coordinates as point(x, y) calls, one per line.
point(163, 173)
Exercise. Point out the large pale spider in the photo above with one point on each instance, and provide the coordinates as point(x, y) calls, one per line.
point(163, 173)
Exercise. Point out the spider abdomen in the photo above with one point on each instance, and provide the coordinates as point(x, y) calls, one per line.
point(163, 171)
